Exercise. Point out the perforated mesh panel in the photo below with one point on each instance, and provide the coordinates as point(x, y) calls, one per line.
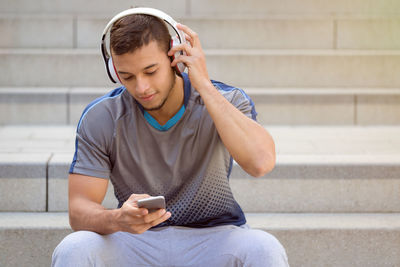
point(197, 200)
point(211, 198)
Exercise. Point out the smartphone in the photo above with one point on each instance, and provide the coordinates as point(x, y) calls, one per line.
point(152, 203)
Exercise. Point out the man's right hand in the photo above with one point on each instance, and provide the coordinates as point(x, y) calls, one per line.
point(131, 218)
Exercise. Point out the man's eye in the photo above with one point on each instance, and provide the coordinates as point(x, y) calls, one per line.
point(151, 73)
point(127, 78)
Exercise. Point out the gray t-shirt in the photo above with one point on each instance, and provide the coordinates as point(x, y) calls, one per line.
point(187, 163)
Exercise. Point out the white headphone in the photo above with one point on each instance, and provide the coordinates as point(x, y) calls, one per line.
point(175, 40)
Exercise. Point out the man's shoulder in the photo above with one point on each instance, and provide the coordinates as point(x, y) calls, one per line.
point(104, 109)
point(104, 100)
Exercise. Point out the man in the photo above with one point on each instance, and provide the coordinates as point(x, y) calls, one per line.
point(172, 134)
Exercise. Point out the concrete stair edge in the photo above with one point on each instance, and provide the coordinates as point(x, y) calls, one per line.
point(215, 51)
point(295, 184)
point(293, 106)
point(256, 91)
point(188, 17)
point(271, 221)
point(59, 161)
point(274, 32)
point(222, 7)
point(334, 239)
point(285, 68)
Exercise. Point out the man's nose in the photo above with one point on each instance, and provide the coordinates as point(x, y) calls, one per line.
point(141, 85)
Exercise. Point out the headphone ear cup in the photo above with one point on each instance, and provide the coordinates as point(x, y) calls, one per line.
point(180, 67)
point(112, 72)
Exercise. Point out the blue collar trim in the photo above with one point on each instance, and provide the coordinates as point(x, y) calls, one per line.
point(171, 122)
point(186, 88)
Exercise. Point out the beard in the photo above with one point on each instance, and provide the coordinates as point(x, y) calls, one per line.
point(166, 97)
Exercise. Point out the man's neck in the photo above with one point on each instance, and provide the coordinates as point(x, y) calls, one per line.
point(172, 105)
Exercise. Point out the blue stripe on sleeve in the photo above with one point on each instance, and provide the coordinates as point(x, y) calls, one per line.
point(226, 87)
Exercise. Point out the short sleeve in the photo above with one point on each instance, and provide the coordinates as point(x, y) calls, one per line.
point(238, 98)
point(93, 139)
point(244, 103)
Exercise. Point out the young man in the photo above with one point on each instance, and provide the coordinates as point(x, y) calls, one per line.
point(171, 134)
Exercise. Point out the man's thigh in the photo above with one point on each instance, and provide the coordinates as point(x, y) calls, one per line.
point(172, 246)
point(228, 246)
point(85, 248)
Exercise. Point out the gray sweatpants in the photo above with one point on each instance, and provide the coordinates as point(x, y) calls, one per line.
point(219, 246)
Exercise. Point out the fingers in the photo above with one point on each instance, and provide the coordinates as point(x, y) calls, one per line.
point(141, 228)
point(181, 47)
point(192, 35)
point(184, 59)
point(156, 217)
point(189, 40)
point(187, 57)
point(138, 196)
point(135, 197)
point(138, 220)
point(191, 47)
point(161, 219)
point(132, 207)
point(150, 220)
point(137, 223)
point(132, 210)
point(142, 215)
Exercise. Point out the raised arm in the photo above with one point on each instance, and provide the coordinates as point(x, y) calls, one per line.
point(249, 143)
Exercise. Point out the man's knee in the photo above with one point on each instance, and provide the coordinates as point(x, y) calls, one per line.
point(263, 249)
point(76, 248)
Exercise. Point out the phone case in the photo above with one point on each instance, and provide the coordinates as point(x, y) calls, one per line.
point(152, 203)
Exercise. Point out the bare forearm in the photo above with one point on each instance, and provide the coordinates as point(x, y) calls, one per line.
point(248, 142)
point(91, 216)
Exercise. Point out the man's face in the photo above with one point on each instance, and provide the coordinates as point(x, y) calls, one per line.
point(147, 75)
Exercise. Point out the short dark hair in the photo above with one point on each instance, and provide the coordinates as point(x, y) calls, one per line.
point(134, 31)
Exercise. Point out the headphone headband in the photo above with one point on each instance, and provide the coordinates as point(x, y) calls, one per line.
point(139, 10)
point(145, 11)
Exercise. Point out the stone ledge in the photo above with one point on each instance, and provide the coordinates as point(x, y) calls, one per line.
point(23, 165)
point(293, 106)
point(309, 239)
point(266, 221)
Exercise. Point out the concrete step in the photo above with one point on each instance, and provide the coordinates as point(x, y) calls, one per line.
point(296, 32)
point(309, 239)
point(275, 106)
point(274, 32)
point(45, 106)
point(322, 183)
point(172, 7)
point(319, 169)
point(258, 8)
point(241, 67)
point(326, 106)
point(207, 7)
